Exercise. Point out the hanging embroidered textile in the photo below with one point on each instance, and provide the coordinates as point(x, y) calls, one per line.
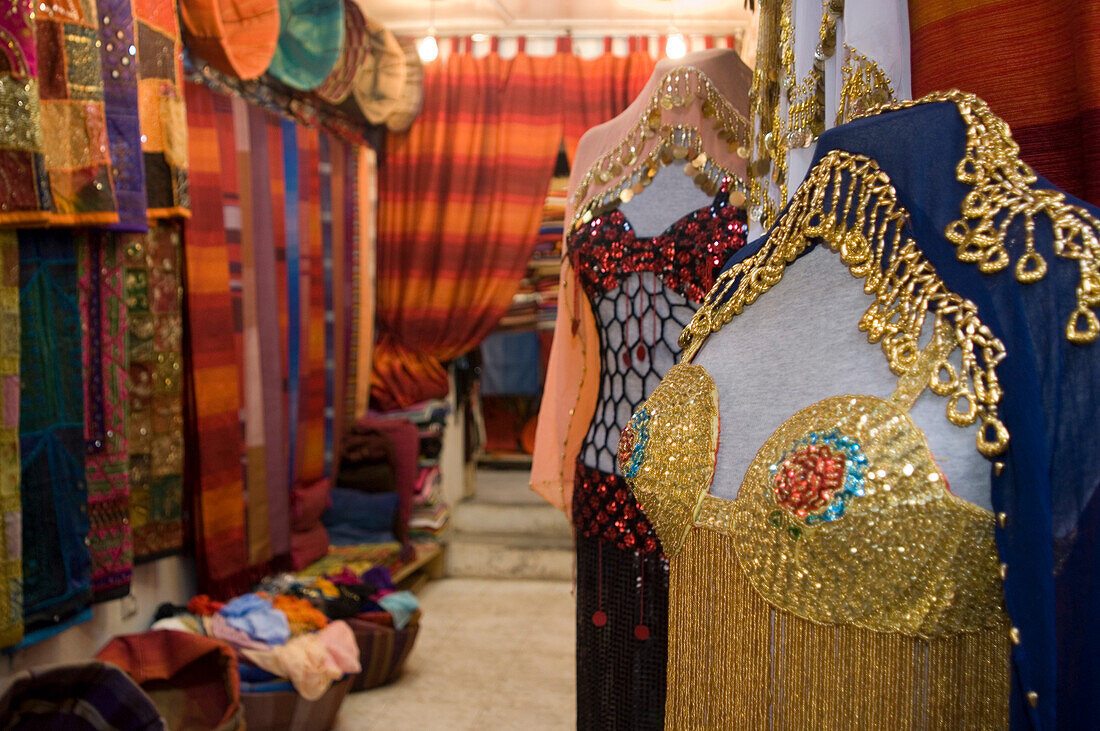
point(153, 296)
point(118, 55)
point(56, 155)
point(106, 406)
point(11, 520)
point(163, 119)
point(57, 565)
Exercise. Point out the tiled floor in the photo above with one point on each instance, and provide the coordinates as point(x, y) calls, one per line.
point(506, 487)
point(490, 655)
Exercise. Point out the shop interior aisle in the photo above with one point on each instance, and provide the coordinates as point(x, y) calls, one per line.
point(491, 654)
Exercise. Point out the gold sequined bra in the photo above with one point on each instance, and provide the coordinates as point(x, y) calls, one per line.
point(845, 585)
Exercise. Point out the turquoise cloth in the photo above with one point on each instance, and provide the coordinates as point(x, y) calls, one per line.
point(400, 605)
point(311, 39)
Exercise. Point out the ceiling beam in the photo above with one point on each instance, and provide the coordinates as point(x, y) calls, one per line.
point(503, 12)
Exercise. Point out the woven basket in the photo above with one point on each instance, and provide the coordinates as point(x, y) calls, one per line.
point(382, 649)
point(337, 85)
point(285, 710)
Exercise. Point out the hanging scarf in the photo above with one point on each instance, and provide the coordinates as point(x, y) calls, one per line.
point(214, 394)
point(106, 405)
point(153, 298)
point(163, 119)
point(11, 519)
point(56, 562)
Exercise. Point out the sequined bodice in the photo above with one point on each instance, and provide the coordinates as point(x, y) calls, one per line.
point(843, 515)
point(686, 257)
point(642, 292)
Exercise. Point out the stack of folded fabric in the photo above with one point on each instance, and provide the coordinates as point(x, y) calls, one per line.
point(430, 514)
point(309, 540)
point(372, 500)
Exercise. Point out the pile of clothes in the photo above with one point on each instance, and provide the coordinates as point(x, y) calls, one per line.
point(291, 631)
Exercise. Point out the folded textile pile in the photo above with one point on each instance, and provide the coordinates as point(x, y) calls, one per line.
point(291, 629)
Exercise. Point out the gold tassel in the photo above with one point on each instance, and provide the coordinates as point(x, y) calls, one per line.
point(735, 662)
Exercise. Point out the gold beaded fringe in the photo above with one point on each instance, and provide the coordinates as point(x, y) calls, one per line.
point(735, 662)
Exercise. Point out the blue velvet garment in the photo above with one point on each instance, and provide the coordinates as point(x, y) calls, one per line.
point(57, 564)
point(1051, 406)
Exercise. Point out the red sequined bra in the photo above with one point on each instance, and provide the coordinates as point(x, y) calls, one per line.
point(687, 256)
point(639, 323)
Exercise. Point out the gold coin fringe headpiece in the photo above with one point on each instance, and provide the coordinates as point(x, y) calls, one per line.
point(1001, 194)
point(680, 88)
point(776, 131)
point(848, 203)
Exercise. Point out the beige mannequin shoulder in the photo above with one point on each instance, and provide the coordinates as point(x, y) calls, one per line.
point(725, 70)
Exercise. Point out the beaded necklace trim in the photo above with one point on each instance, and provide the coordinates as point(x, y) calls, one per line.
point(681, 87)
point(1002, 194)
point(848, 203)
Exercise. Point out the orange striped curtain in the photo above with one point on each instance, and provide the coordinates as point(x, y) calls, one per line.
point(1037, 64)
point(595, 90)
point(460, 202)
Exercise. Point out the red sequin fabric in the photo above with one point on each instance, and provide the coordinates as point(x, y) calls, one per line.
point(604, 507)
point(687, 256)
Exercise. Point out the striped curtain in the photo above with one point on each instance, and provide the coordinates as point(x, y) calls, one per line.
point(460, 202)
point(1037, 64)
point(272, 255)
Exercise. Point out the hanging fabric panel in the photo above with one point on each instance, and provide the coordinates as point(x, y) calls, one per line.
point(311, 439)
point(55, 166)
point(163, 119)
point(272, 292)
point(153, 303)
point(366, 235)
point(118, 54)
point(595, 90)
point(214, 395)
point(57, 564)
point(106, 405)
point(11, 516)
point(1051, 96)
point(269, 533)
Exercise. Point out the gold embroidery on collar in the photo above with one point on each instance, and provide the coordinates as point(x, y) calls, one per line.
point(1003, 193)
point(849, 203)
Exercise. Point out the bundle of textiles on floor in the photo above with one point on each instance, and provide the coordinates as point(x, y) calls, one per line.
point(295, 632)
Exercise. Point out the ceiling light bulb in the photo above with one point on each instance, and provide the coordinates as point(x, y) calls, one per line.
point(675, 46)
point(428, 48)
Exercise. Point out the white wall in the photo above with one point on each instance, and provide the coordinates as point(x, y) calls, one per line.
point(452, 458)
point(170, 579)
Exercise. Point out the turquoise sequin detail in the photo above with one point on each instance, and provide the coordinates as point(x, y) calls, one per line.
point(855, 470)
point(639, 430)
